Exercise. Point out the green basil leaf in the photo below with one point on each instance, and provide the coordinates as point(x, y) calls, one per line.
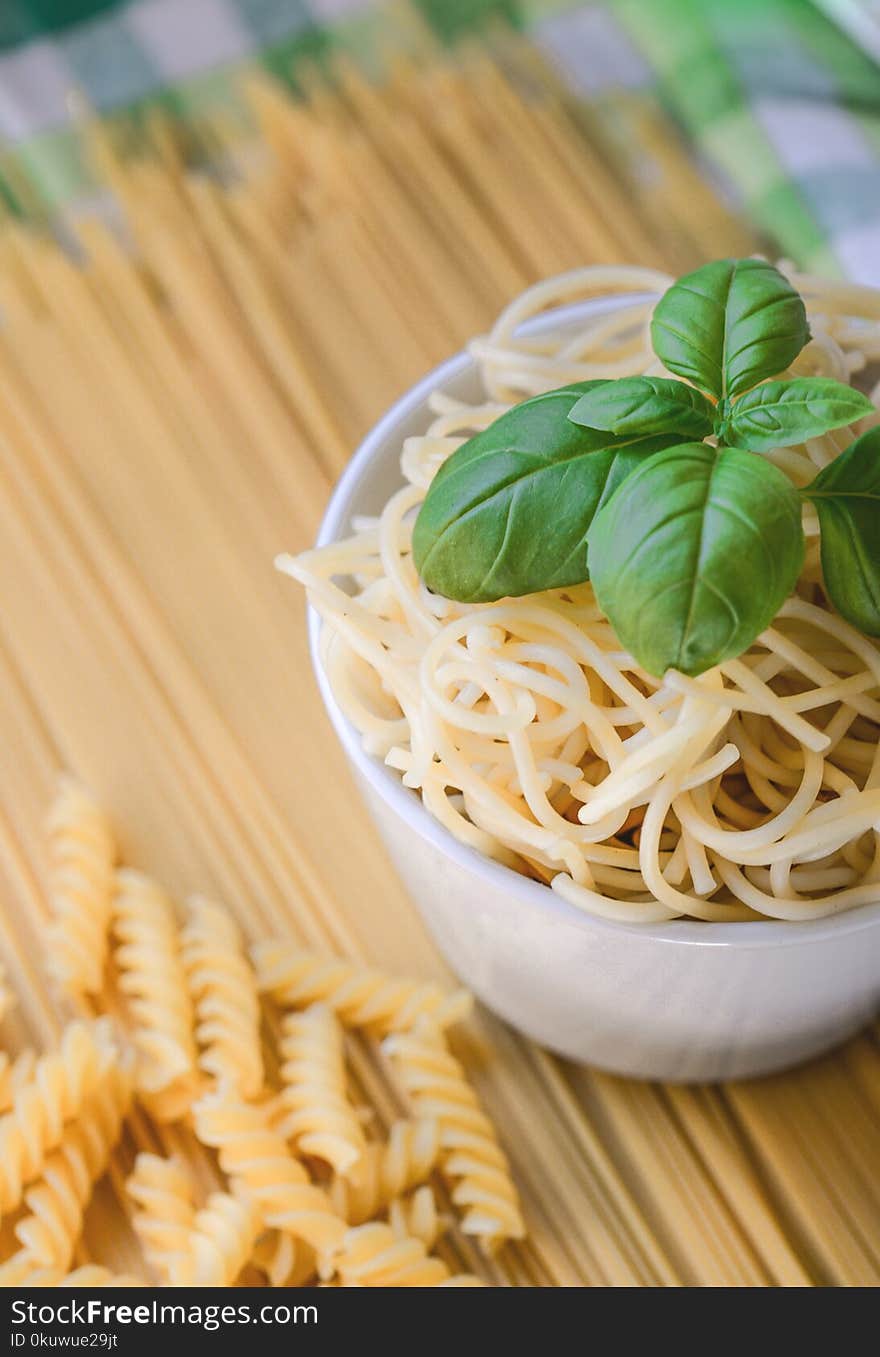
point(646, 405)
point(508, 513)
point(694, 554)
point(778, 414)
point(729, 325)
point(846, 494)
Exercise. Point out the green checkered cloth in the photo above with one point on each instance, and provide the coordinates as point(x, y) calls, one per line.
point(773, 96)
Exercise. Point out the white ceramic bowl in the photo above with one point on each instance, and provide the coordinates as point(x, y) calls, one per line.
point(678, 1001)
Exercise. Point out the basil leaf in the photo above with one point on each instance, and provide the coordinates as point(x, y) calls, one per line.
point(846, 494)
point(508, 513)
point(694, 555)
point(729, 325)
point(778, 414)
point(645, 405)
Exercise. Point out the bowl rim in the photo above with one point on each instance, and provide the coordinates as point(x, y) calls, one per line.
point(743, 934)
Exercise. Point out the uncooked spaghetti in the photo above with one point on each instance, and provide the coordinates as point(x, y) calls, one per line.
point(751, 791)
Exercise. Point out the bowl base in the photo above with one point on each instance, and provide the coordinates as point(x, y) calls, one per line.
point(698, 1067)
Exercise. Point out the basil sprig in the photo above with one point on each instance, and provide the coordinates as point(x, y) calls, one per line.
point(691, 547)
point(509, 512)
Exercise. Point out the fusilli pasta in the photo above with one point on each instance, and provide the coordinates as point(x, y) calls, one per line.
point(359, 997)
point(256, 1158)
point(387, 1170)
point(151, 975)
point(61, 1082)
point(318, 1115)
point(373, 1255)
point(417, 1216)
point(219, 1244)
point(224, 989)
point(192, 1001)
point(14, 1074)
point(163, 1189)
point(20, 1269)
point(436, 1086)
point(284, 1260)
point(56, 1203)
point(91, 1274)
point(82, 853)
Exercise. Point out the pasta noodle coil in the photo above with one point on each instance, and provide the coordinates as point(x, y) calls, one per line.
point(14, 1074)
point(435, 1086)
point(318, 1115)
point(82, 853)
point(56, 1204)
point(224, 990)
point(219, 1244)
point(152, 977)
point(163, 1191)
point(61, 1083)
point(359, 997)
point(254, 1154)
point(388, 1170)
point(283, 1259)
point(90, 1274)
point(417, 1216)
point(373, 1255)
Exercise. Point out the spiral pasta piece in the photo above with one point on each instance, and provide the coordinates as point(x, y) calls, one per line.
point(163, 1189)
point(56, 1203)
point(359, 997)
point(224, 989)
point(21, 1270)
point(61, 1082)
point(82, 854)
point(318, 1115)
point(15, 1072)
point(219, 1244)
point(152, 977)
point(91, 1274)
point(255, 1157)
point(471, 1158)
point(388, 1170)
point(373, 1255)
point(283, 1259)
point(416, 1216)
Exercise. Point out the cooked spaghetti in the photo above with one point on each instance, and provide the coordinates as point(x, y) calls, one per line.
point(752, 791)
